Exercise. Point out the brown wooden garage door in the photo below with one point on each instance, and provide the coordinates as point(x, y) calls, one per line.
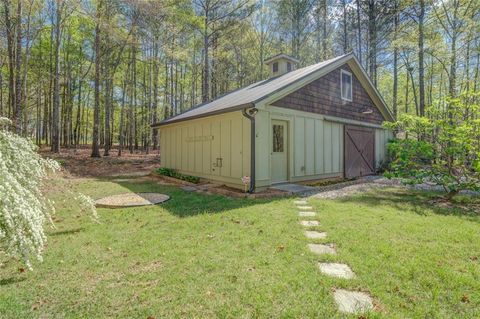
point(359, 151)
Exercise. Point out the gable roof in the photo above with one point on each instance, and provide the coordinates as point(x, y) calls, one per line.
point(260, 91)
point(281, 56)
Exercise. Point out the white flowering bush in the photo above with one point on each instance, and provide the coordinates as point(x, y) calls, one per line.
point(24, 209)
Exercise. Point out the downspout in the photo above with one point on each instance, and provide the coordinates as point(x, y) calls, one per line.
point(251, 116)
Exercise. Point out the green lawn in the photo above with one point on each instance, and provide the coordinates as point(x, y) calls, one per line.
point(201, 256)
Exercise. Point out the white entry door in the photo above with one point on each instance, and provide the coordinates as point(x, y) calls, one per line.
point(279, 151)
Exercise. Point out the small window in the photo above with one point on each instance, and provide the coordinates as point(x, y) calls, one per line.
point(346, 85)
point(289, 67)
point(275, 67)
point(278, 138)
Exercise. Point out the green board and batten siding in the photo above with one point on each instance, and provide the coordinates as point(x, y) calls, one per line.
point(381, 139)
point(315, 146)
point(193, 147)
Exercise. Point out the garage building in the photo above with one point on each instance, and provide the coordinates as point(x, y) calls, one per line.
point(320, 121)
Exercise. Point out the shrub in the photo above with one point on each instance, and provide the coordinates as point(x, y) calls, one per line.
point(442, 148)
point(23, 207)
point(173, 173)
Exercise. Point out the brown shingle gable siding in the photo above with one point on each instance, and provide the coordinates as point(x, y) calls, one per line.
point(323, 96)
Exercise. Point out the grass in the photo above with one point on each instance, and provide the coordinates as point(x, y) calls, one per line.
point(205, 256)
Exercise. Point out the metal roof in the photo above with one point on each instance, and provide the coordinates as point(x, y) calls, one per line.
point(247, 95)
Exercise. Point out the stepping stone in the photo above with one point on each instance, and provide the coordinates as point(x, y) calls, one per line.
point(352, 301)
point(300, 202)
point(321, 249)
point(309, 223)
point(315, 234)
point(306, 214)
point(130, 174)
point(336, 270)
point(189, 188)
point(305, 207)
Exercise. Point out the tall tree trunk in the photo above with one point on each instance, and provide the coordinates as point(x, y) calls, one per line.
point(453, 65)
point(345, 34)
point(107, 119)
point(395, 62)
point(206, 66)
point(96, 111)
point(421, 65)
point(11, 61)
point(372, 33)
point(122, 129)
point(18, 70)
point(359, 32)
point(76, 133)
point(56, 84)
point(324, 29)
point(406, 92)
point(28, 46)
point(155, 93)
point(1, 94)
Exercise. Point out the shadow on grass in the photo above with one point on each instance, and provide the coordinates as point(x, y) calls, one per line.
point(66, 232)
point(420, 202)
point(186, 204)
point(11, 280)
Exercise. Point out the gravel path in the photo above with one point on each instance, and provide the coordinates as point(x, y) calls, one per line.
point(354, 187)
point(368, 183)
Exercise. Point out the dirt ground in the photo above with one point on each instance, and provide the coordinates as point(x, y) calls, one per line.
point(79, 163)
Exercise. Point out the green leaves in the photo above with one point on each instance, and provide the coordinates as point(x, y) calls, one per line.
point(442, 148)
point(173, 173)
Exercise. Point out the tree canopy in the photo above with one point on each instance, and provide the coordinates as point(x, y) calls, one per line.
point(100, 72)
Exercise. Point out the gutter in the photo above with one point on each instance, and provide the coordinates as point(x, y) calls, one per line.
point(251, 116)
point(172, 120)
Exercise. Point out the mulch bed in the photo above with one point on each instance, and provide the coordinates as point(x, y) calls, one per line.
point(213, 188)
point(79, 163)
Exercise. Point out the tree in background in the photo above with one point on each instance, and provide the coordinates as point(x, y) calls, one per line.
point(441, 148)
point(217, 16)
point(156, 59)
point(294, 21)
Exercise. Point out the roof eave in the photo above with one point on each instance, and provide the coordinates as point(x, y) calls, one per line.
point(218, 112)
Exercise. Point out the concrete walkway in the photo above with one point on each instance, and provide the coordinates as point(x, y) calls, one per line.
point(347, 301)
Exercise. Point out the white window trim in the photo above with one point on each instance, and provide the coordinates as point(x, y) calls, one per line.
point(341, 85)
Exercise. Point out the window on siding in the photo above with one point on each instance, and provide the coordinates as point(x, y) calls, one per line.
point(275, 66)
point(346, 85)
point(278, 138)
point(289, 67)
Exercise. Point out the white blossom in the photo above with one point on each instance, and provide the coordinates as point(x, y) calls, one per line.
point(23, 207)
